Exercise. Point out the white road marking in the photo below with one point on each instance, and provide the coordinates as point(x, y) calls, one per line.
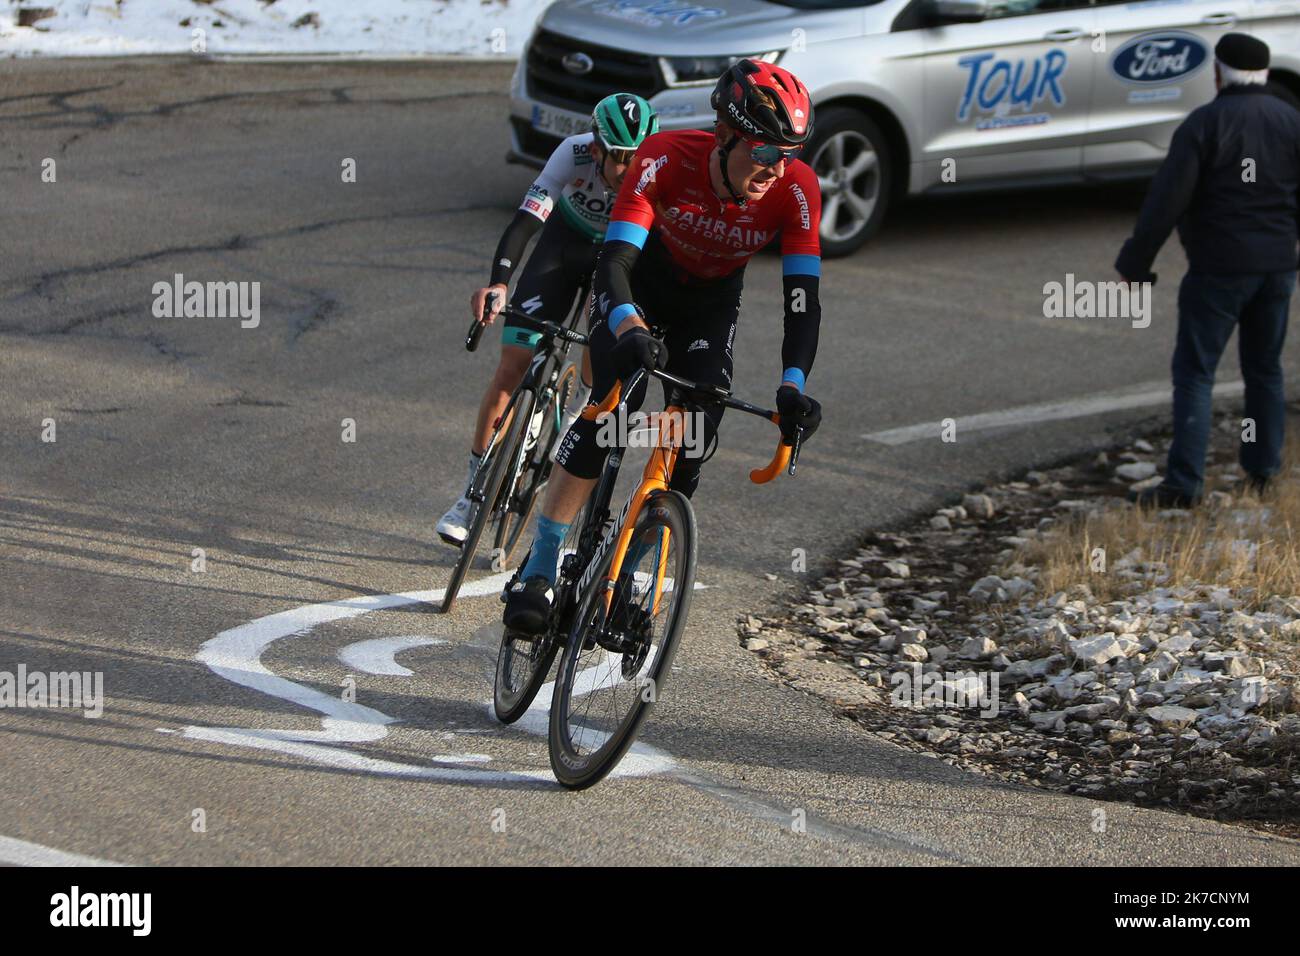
point(1147, 394)
point(378, 656)
point(236, 655)
point(640, 760)
point(21, 853)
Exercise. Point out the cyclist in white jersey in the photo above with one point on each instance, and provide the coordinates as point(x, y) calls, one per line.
point(580, 180)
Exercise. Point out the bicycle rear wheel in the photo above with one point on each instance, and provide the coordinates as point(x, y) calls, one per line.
point(504, 456)
point(536, 473)
point(615, 664)
point(523, 665)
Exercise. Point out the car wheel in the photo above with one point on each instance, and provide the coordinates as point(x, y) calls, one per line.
point(851, 158)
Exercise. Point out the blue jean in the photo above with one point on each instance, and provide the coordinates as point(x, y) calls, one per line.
point(1209, 308)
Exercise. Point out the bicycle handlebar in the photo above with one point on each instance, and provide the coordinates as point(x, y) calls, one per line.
point(787, 455)
point(477, 327)
point(542, 325)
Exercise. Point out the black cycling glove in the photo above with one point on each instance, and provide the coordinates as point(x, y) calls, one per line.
point(637, 349)
point(797, 411)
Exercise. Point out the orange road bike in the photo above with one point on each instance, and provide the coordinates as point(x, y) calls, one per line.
point(517, 461)
point(622, 597)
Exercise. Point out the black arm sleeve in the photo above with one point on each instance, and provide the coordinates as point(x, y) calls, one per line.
point(612, 285)
point(803, 319)
point(1168, 198)
point(511, 247)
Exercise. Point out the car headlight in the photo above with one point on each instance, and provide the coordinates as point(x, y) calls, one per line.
point(699, 70)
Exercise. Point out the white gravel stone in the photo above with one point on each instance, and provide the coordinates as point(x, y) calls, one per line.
point(976, 648)
point(1136, 470)
point(1178, 644)
point(898, 569)
point(1172, 718)
point(1164, 664)
point(1096, 650)
point(1017, 588)
point(1088, 712)
point(1047, 719)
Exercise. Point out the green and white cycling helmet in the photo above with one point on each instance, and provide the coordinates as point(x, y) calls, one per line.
point(620, 122)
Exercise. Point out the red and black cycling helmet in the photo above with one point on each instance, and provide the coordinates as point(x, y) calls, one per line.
point(765, 102)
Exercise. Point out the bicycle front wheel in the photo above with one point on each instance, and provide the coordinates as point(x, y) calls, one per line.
point(503, 454)
point(537, 471)
point(617, 659)
point(522, 665)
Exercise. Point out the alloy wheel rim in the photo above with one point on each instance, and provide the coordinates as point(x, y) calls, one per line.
point(848, 171)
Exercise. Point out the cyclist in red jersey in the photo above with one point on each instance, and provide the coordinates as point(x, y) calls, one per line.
point(674, 258)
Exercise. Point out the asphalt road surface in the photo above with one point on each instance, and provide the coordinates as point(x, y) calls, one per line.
point(223, 686)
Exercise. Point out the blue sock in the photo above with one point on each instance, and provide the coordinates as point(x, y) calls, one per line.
point(545, 557)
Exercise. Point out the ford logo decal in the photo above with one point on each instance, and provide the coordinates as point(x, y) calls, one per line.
point(577, 63)
point(1160, 58)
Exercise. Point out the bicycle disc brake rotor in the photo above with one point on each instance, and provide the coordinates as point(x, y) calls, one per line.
point(525, 656)
point(640, 632)
point(628, 634)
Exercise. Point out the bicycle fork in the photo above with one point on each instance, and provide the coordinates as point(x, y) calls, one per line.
point(620, 532)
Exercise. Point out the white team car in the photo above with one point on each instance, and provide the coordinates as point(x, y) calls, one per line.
point(912, 96)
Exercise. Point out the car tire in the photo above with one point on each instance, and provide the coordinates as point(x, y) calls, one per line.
point(851, 158)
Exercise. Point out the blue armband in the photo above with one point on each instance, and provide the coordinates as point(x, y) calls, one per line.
point(801, 265)
point(628, 232)
point(795, 376)
point(621, 312)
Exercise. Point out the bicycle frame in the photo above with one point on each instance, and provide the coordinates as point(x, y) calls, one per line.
point(547, 348)
point(655, 479)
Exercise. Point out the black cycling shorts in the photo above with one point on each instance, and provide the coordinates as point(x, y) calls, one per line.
point(561, 264)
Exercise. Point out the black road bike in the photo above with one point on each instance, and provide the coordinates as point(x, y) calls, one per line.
point(517, 462)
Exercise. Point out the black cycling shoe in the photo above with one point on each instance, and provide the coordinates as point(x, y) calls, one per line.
point(1163, 496)
point(528, 606)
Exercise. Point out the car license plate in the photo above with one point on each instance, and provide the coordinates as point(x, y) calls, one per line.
point(560, 122)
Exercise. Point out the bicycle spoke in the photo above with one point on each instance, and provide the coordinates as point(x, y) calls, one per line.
point(608, 686)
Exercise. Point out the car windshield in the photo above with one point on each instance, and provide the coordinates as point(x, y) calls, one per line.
point(825, 4)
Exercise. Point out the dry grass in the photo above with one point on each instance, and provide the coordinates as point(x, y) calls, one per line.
point(1242, 542)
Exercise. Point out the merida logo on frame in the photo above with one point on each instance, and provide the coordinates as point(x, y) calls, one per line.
point(103, 909)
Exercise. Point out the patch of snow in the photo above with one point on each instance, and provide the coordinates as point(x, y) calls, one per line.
point(490, 28)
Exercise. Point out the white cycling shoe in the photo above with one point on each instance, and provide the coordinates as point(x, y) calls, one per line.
point(454, 526)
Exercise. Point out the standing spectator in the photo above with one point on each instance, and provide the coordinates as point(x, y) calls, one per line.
point(1230, 184)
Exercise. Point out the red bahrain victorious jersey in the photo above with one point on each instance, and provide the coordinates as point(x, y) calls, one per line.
point(706, 236)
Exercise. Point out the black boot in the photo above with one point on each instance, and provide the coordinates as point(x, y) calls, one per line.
point(1162, 496)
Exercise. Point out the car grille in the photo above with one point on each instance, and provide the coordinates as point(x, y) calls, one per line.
point(615, 71)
